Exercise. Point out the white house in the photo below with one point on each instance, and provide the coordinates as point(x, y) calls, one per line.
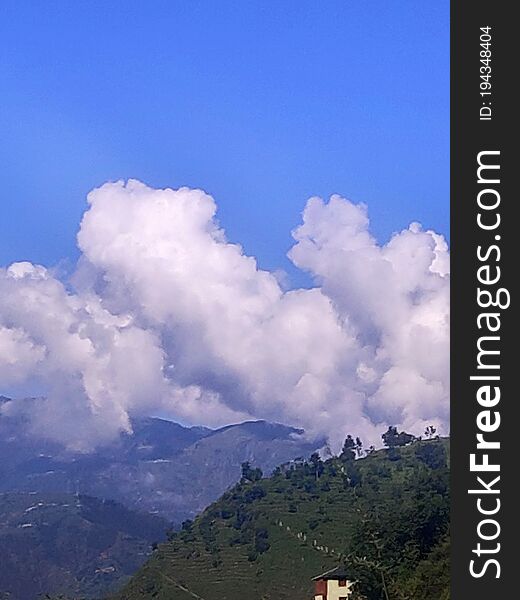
point(333, 585)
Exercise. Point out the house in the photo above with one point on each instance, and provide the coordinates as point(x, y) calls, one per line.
point(333, 585)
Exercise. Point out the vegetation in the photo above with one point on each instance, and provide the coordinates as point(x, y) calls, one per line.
point(385, 517)
point(78, 546)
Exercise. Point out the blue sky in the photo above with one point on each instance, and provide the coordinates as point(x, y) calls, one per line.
point(262, 104)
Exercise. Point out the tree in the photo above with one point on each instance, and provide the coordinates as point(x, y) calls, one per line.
point(317, 465)
point(429, 432)
point(366, 562)
point(396, 532)
point(254, 493)
point(405, 438)
point(250, 474)
point(354, 476)
point(348, 451)
point(394, 454)
point(392, 439)
point(359, 447)
point(261, 543)
point(431, 454)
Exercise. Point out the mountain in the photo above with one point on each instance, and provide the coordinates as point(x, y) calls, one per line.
point(385, 518)
point(162, 467)
point(68, 544)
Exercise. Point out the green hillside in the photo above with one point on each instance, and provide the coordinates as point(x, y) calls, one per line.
point(77, 545)
point(385, 516)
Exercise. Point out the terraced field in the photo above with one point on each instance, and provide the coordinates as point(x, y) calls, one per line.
point(266, 539)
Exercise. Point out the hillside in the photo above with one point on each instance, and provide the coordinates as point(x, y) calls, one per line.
point(162, 467)
point(67, 544)
point(385, 516)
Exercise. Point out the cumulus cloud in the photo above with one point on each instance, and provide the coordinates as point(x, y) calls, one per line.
point(164, 314)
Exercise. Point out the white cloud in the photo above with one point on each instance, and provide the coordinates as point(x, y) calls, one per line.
point(167, 315)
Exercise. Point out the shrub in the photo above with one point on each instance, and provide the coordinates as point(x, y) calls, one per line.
point(431, 454)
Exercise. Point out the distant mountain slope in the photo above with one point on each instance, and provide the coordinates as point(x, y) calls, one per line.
point(385, 516)
point(207, 468)
point(163, 467)
point(77, 545)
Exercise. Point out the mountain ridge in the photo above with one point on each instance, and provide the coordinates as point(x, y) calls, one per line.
point(162, 467)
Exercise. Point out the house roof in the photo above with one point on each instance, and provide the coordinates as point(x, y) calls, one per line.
point(336, 573)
